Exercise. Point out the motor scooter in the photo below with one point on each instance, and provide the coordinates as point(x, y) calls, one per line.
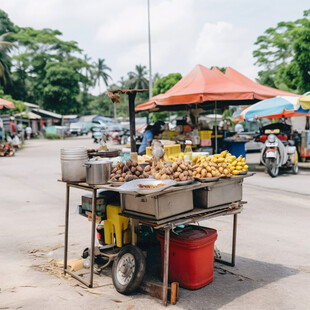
point(99, 136)
point(277, 152)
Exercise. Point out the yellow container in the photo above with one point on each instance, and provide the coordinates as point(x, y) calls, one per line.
point(117, 225)
point(170, 150)
point(205, 134)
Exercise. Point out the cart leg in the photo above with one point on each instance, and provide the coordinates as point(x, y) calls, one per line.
point(233, 252)
point(66, 228)
point(166, 266)
point(93, 228)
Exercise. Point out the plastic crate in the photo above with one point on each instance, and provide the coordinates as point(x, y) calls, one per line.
point(205, 134)
point(170, 150)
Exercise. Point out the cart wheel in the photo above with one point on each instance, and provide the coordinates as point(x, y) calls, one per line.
point(128, 269)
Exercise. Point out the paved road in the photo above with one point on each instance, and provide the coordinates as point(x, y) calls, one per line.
point(273, 248)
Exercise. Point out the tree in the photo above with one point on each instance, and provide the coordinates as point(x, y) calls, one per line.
point(6, 24)
point(284, 54)
point(36, 48)
point(165, 83)
point(160, 87)
point(138, 78)
point(5, 63)
point(100, 72)
point(61, 88)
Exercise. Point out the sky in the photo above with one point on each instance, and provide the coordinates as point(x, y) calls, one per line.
point(183, 32)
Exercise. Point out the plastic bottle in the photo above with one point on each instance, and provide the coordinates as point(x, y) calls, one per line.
point(188, 153)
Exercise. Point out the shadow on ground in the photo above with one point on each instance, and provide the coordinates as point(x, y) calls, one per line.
point(231, 283)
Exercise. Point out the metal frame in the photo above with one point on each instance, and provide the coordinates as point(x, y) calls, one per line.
point(93, 228)
point(166, 224)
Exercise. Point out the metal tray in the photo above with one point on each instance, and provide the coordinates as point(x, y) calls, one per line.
point(182, 183)
point(116, 184)
point(243, 172)
point(204, 180)
point(132, 186)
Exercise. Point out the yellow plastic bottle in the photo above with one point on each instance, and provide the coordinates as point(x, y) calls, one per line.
point(188, 153)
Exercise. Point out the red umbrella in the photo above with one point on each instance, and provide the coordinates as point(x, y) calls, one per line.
point(6, 103)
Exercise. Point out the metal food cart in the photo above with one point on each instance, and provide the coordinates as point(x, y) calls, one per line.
point(208, 200)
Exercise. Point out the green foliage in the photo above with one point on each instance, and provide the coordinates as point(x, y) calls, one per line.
point(160, 87)
point(137, 79)
point(222, 69)
point(61, 88)
point(53, 136)
point(284, 54)
point(101, 104)
point(19, 105)
point(5, 63)
point(165, 83)
point(6, 24)
point(100, 72)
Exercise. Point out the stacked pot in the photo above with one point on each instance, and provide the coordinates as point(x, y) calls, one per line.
point(72, 164)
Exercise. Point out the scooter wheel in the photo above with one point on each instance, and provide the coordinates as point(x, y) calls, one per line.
point(128, 269)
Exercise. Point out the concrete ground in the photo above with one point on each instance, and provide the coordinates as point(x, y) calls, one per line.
point(273, 249)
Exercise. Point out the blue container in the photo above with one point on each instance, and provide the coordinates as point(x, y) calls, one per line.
point(236, 148)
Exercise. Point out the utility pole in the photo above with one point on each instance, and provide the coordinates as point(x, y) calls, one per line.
point(150, 59)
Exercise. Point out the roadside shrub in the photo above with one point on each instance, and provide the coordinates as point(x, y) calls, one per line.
point(53, 136)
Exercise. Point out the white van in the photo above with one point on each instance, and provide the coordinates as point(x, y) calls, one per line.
point(78, 129)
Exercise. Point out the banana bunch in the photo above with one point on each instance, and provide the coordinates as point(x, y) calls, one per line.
point(199, 159)
point(236, 165)
point(174, 158)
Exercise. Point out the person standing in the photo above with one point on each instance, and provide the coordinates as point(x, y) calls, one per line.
point(28, 132)
point(151, 132)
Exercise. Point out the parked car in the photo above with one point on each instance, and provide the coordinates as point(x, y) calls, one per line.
point(108, 122)
point(78, 128)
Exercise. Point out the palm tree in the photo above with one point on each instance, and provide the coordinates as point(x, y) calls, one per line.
point(100, 72)
point(5, 47)
point(138, 79)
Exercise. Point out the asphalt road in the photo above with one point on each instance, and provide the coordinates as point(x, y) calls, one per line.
point(273, 249)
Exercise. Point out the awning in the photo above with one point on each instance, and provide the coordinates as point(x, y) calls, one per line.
point(7, 104)
point(28, 115)
point(261, 91)
point(204, 87)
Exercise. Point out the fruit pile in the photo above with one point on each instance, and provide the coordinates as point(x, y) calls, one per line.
point(211, 169)
point(128, 172)
point(178, 171)
point(224, 160)
point(236, 165)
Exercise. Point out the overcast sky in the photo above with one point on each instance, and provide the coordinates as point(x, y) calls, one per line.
point(183, 32)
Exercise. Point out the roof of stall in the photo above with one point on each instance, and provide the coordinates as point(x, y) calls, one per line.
point(203, 87)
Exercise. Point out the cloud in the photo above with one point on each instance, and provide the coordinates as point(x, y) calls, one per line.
point(172, 26)
point(223, 44)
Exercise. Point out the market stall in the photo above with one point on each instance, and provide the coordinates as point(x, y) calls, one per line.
point(161, 196)
point(204, 90)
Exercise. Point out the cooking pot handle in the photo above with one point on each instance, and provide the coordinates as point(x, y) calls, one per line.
point(86, 165)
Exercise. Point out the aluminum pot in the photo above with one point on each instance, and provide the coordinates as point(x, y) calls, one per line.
point(98, 172)
point(72, 160)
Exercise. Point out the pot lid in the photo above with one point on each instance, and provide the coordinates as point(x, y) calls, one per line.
point(98, 162)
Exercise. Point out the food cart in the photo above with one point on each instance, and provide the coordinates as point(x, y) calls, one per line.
point(163, 209)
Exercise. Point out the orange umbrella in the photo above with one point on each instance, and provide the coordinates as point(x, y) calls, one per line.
point(6, 103)
point(262, 92)
point(204, 87)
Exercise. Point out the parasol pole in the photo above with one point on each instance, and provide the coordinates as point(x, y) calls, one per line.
point(150, 59)
point(215, 132)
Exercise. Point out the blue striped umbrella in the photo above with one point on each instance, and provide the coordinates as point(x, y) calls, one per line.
point(277, 107)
